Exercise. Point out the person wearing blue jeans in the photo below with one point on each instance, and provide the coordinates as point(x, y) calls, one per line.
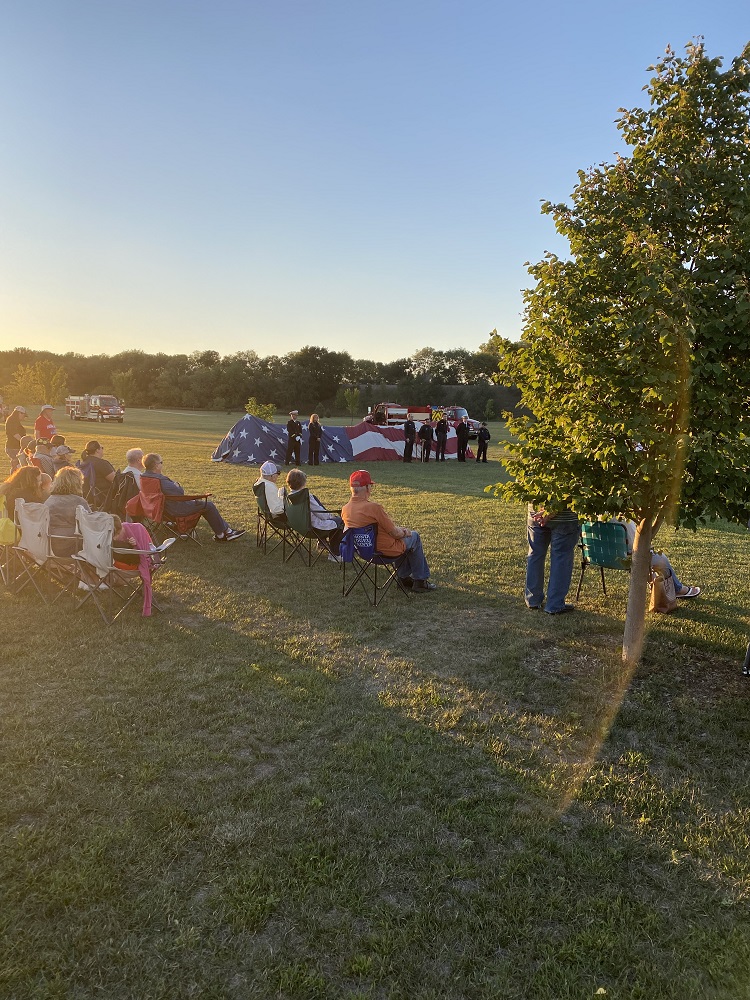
point(558, 533)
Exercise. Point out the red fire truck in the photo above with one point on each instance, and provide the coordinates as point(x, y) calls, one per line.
point(97, 407)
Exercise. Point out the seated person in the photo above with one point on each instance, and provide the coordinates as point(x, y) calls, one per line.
point(660, 564)
point(325, 524)
point(392, 540)
point(173, 505)
point(269, 475)
point(42, 457)
point(66, 496)
point(26, 450)
point(61, 455)
point(134, 459)
point(98, 470)
point(25, 484)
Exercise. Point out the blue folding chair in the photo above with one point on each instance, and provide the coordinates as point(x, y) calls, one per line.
point(604, 544)
point(374, 572)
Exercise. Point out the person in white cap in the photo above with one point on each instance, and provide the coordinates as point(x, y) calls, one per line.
point(44, 426)
point(269, 475)
point(14, 431)
point(294, 439)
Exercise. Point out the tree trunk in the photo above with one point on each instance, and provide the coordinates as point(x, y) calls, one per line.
point(635, 618)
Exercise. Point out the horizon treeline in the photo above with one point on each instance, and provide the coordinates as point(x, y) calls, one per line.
point(311, 379)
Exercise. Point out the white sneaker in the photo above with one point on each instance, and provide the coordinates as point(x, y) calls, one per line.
point(335, 559)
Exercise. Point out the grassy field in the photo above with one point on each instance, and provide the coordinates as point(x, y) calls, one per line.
point(270, 792)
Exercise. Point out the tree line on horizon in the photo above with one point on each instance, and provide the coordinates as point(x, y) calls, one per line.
point(310, 379)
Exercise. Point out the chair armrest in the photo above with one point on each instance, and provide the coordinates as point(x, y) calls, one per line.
point(193, 496)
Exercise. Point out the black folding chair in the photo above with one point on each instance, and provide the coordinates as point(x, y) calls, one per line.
point(269, 526)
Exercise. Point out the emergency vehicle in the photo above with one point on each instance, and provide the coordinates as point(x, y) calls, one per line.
point(394, 415)
point(98, 407)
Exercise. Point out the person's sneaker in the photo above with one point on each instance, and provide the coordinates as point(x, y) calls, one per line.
point(406, 581)
point(230, 536)
point(534, 607)
point(424, 585)
point(334, 559)
point(563, 610)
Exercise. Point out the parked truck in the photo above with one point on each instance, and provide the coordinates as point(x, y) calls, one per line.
point(97, 407)
point(394, 415)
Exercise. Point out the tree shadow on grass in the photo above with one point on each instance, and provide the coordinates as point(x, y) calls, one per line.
point(221, 815)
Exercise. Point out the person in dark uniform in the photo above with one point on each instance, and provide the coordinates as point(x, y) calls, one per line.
point(441, 438)
point(294, 438)
point(462, 438)
point(483, 436)
point(315, 432)
point(410, 432)
point(425, 436)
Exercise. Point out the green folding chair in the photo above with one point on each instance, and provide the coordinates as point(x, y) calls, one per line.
point(604, 544)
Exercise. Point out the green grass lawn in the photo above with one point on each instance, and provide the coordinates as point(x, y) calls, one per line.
point(270, 792)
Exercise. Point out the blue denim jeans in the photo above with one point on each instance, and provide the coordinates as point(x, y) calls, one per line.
point(561, 538)
point(660, 562)
point(415, 564)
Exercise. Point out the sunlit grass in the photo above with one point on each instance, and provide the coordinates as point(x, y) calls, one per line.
point(272, 792)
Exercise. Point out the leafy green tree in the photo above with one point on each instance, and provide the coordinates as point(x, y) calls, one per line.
point(263, 411)
point(636, 355)
point(489, 410)
point(42, 382)
point(352, 402)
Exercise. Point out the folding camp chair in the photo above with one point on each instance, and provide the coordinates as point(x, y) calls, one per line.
point(150, 506)
point(368, 566)
point(268, 523)
point(9, 536)
point(34, 563)
point(111, 588)
point(301, 534)
point(604, 544)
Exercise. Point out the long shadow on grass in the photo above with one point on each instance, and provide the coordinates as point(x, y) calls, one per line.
point(211, 816)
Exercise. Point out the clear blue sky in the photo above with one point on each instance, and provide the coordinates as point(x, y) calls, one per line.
point(178, 175)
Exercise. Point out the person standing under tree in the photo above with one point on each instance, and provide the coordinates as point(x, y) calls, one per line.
point(315, 432)
point(410, 432)
point(294, 439)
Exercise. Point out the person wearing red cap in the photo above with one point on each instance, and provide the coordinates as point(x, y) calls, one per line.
point(392, 539)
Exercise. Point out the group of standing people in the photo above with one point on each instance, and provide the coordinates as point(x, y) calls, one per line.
point(294, 439)
point(437, 431)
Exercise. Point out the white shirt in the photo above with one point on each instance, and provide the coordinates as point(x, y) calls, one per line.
point(136, 474)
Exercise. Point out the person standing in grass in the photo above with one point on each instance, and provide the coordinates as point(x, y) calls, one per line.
point(294, 439)
point(14, 432)
point(425, 436)
point(410, 432)
point(392, 539)
point(315, 433)
point(462, 438)
point(441, 438)
point(558, 532)
point(483, 437)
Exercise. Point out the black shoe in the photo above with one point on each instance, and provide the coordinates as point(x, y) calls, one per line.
point(422, 586)
point(406, 581)
point(563, 610)
point(230, 536)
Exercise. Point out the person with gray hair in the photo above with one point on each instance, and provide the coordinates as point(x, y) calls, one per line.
point(325, 523)
point(134, 459)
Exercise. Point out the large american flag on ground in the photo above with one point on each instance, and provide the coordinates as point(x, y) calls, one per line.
point(252, 441)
